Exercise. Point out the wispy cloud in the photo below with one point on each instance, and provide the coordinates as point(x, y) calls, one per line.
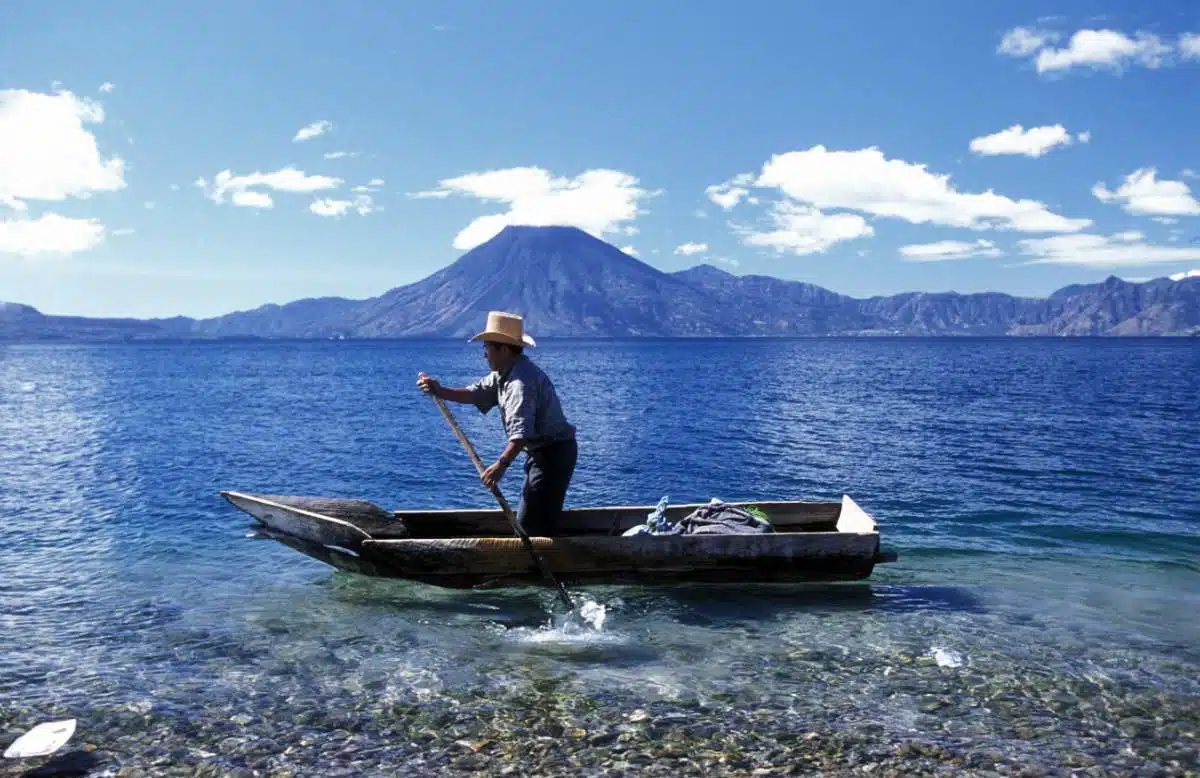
point(948, 250)
point(1034, 142)
point(865, 182)
point(1189, 45)
point(1143, 193)
point(599, 202)
point(1123, 249)
point(1097, 49)
point(244, 189)
point(688, 249)
point(313, 130)
point(362, 205)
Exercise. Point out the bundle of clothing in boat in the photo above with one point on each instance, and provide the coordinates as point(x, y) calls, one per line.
point(715, 518)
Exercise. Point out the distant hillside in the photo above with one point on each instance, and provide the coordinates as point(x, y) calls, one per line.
point(569, 284)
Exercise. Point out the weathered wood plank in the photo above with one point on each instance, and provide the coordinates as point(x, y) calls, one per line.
point(768, 572)
point(334, 557)
point(785, 516)
point(615, 555)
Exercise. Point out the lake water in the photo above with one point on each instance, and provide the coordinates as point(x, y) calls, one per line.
point(1041, 619)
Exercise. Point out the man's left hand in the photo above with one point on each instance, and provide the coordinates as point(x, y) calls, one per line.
point(493, 474)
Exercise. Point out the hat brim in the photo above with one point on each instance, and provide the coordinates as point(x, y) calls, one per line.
point(499, 337)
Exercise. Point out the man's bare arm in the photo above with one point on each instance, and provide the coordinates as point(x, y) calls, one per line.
point(455, 395)
point(430, 385)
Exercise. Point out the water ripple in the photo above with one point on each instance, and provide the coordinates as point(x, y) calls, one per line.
point(1042, 495)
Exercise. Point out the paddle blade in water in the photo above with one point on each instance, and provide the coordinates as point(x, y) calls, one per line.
point(45, 738)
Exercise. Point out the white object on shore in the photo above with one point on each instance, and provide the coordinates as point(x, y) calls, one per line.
point(45, 738)
point(947, 657)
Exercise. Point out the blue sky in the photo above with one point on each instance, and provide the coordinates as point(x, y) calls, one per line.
point(152, 161)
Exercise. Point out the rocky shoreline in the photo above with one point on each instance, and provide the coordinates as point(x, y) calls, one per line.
point(965, 722)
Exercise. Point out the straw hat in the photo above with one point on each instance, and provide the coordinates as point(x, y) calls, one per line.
point(505, 328)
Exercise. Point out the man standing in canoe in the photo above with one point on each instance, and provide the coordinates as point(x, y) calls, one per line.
point(533, 421)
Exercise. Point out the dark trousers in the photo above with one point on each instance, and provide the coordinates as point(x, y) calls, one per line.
point(548, 472)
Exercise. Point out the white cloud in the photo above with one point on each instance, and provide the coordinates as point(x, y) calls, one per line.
point(252, 199)
point(949, 249)
point(1129, 236)
point(362, 205)
point(1194, 273)
point(1099, 49)
point(630, 250)
point(122, 232)
point(1034, 142)
point(1096, 49)
point(596, 201)
point(728, 261)
point(313, 130)
point(47, 153)
point(341, 154)
point(1099, 250)
point(174, 187)
point(1164, 219)
point(1142, 193)
point(107, 86)
point(730, 193)
point(371, 186)
point(1024, 41)
point(148, 205)
point(1189, 45)
point(242, 187)
point(801, 229)
point(687, 249)
point(49, 234)
point(867, 182)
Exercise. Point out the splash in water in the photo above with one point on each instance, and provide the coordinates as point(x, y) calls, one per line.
point(593, 613)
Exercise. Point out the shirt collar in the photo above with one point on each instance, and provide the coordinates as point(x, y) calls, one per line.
point(508, 371)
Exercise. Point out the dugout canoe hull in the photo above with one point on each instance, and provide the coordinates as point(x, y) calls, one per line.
point(470, 548)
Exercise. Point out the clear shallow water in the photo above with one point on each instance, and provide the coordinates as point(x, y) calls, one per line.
point(1043, 497)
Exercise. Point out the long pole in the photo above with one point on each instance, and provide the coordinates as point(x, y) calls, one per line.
point(537, 559)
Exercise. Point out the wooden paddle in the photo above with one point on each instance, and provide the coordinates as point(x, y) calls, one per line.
point(566, 598)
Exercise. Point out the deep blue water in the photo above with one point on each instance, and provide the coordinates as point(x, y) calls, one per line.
point(1042, 494)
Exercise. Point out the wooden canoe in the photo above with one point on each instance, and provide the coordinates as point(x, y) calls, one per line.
point(475, 547)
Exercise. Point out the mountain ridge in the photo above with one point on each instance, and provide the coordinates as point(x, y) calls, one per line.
point(567, 283)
